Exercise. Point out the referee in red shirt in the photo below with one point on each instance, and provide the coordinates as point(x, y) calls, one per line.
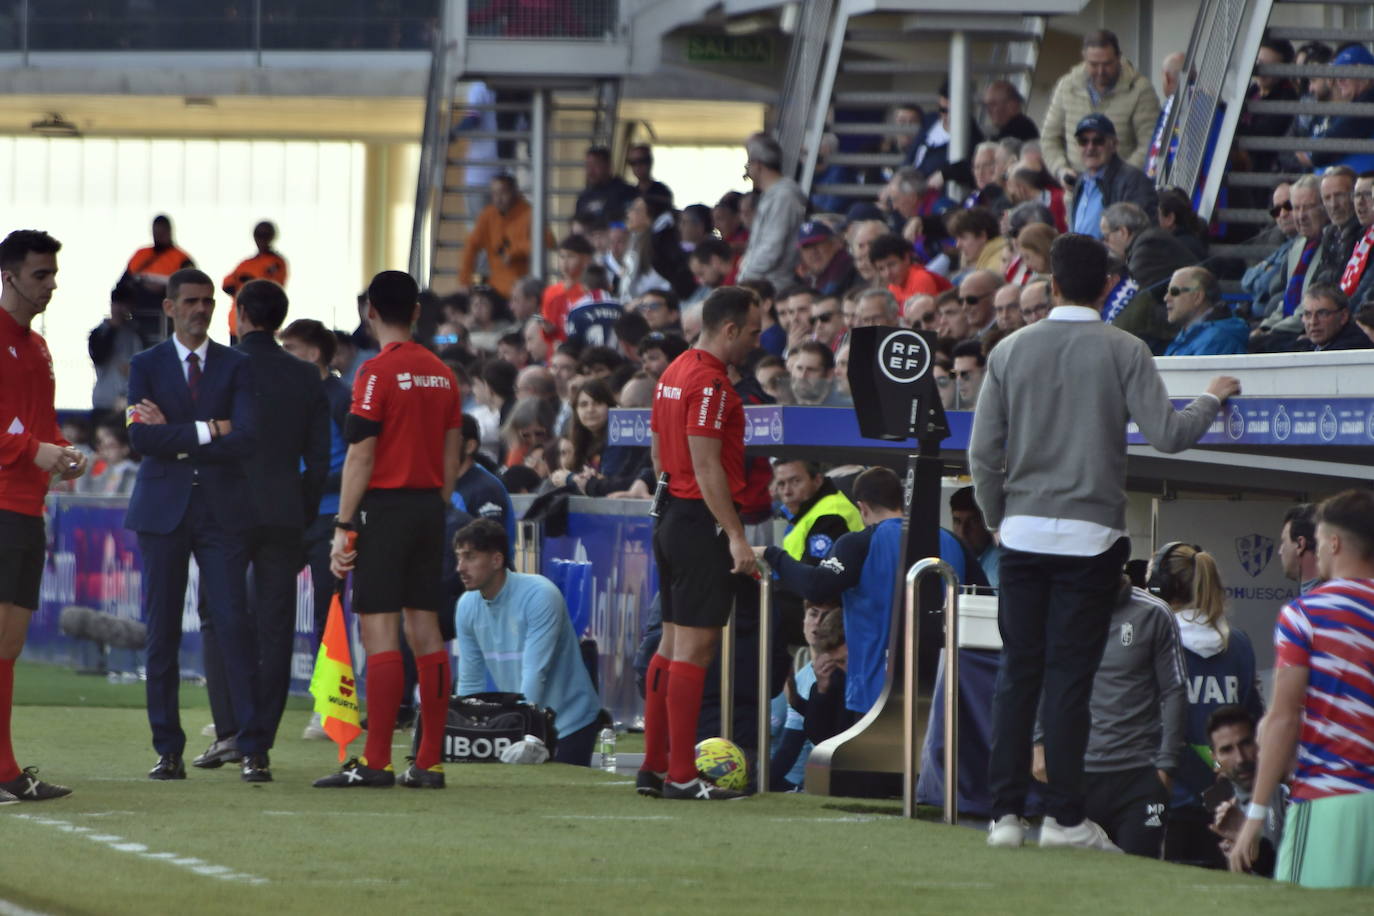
point(32, 454)
point(403, 432)
point(699, 545)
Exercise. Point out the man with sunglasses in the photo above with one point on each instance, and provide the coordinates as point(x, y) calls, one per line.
point(1206, 327)
point(1260, 279)
point(641, 163)
point(976, 293)
point(827, 321)
point(1106, 179)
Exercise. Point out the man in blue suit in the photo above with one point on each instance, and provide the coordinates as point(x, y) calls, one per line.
point(192, 417)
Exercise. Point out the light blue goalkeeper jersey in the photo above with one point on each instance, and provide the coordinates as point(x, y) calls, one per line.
point(523, 638)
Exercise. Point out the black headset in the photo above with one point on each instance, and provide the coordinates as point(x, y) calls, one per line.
point(1162, 581)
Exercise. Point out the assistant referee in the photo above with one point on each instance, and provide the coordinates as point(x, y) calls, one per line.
point(703, 557)
point(403, 454)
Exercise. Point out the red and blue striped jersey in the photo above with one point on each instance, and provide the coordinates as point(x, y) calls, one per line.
point(1330, 631)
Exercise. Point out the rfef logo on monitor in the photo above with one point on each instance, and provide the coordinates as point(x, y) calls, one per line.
point(903, 356)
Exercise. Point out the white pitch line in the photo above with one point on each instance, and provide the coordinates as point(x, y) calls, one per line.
point(608, 817)
point(14, 909)
point(120, 844)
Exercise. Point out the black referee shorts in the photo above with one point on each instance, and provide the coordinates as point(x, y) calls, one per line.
point(23, 546)
point(400, 552)
point(696, 586)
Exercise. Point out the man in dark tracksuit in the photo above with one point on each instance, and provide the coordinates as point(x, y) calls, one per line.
point(1139, 713)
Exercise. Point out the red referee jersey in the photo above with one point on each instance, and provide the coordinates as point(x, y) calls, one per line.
point(27, 417)
point(414, 397)
point(694, 397)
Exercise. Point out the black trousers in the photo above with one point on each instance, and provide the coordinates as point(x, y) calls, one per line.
point(1053, 613)
point(276, 557)
point(1132, 806)
point(222, 558)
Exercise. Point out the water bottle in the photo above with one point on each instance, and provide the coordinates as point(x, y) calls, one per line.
point(605, 744)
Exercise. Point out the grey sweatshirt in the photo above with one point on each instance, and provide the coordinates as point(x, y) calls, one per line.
point(1140, 697)
point(1049, 434)
point(772, 253)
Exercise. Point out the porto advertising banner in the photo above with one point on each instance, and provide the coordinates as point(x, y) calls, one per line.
point(1244, 538)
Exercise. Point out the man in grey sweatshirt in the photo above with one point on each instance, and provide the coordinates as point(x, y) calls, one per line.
point(773, 252)
point(1048, 457)
point(1139, 715)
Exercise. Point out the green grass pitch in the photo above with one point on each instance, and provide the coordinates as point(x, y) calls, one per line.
point(509, 839)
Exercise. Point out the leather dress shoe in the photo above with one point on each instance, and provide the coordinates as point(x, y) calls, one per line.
point(169, 766)
point(218, 754)
point(255, 768)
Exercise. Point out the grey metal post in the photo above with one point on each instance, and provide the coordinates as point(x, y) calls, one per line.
point(539, 180)
point(765, 677)
point(831, 67)
point(958, 96)
point(911, 739)
point(727, 679)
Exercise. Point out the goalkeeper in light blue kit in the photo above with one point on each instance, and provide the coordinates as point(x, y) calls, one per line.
point(514, 631)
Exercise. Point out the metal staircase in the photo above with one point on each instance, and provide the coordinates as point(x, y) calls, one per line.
point(1213, 94)
point(542, 135)
point(876, 60)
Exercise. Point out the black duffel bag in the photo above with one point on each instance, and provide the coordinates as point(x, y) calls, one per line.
point(482, 725)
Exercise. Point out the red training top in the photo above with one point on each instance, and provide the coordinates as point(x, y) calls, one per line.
point(414, 397)
point(27, 417)
point(558, 298)
point(694, 397)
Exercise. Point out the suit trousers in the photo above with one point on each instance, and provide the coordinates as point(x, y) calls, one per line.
point(1053, 613)
point(276, 555)
point(222, 558)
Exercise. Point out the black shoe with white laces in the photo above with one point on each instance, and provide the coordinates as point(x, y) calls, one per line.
point(28, 787)
point(415, 778)
point(650, 784)
point(700, 790)
point(356, 774)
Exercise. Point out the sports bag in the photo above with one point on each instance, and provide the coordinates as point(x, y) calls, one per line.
point(482, 725)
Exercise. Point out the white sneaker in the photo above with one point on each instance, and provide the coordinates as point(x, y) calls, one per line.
point(209, 731)
point(1086, 835)
point(314, 731)
point(1008, 830)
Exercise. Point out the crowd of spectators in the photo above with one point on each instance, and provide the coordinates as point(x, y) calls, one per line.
point(960, 249)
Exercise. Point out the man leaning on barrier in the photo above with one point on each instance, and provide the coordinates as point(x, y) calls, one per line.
point(1051, 475)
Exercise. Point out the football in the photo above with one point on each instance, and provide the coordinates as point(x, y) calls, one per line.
point(721, 763)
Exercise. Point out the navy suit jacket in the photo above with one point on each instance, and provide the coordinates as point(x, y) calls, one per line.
point(173, 458)
point(293, 428)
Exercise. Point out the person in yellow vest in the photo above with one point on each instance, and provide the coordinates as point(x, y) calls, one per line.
point(265, 265)
point(818, 514)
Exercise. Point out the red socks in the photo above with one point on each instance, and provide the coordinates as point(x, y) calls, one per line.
point(9, 769)
point(385, 683)
point(685, 683)
point(435, 683)
point(656, 715)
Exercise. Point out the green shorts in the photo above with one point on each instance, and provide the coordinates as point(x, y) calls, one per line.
point(1329, 842)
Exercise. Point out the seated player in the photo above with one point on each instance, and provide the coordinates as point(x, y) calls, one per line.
point(514, 628)
point(811, 709)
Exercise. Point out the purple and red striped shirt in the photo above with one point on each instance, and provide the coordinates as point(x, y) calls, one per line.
point(1330, 631)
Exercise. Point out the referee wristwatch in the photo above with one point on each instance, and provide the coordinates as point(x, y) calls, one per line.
point(343, 525)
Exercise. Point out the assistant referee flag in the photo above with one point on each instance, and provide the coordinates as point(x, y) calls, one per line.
point(333, 685)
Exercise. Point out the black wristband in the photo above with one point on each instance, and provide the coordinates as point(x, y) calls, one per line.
point(342, 525)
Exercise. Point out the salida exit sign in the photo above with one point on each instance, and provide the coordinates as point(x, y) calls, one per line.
point(738, 49)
